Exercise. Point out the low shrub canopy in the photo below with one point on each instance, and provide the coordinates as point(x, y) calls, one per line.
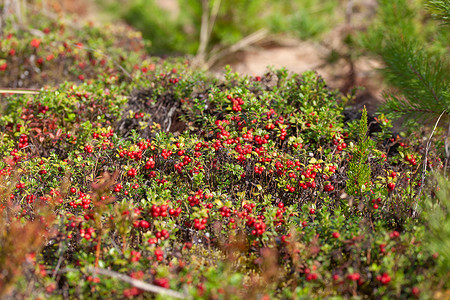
point(214, 188)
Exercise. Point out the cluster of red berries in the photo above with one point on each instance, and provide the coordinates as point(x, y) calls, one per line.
point(166, 154)
point(118, 187)
point(394, 234)
point(174, 80)
point(311, 276)
point(71, 138)
point(162, 282)
point(135, 256)
point(159, 211)
point(105, 144)
point(163, 234)
point(108, 134)
point(93, 279)
point(260, 227)
point(132, 292)
point(87, 233)
point(283, 134)
point(139, 115)
point(391, 186)
point(88, 149)
point(237, 102)
point(328, 187)
point(376, 202)
point(411, 159)
point(354, 276)
point(23, 141)
point(83, 201)
point(298, 145)
point(270, 126)
point(384, 278)
point(132, 172)
point(159, 254)
point(150, 164)
point(186, 161)
point(42, 108)
point(195, 200)
point(281, 210)
point(136, 155)
point(247, 209)
point(290, 188)
point(200, 224)
point(225, 211)
point(142, 224)
point(30, 198)
point(339, 142)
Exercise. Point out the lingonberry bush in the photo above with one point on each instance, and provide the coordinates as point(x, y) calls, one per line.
point(155, 180)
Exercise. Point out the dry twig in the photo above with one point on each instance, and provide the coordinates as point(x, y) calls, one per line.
point(138, 283)
point(425, 161)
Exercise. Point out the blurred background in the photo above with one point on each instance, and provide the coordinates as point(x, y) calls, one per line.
point(342, 40)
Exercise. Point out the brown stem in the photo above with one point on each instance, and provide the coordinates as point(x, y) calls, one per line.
point(97, 249)
point(203, 31)
point(123, 243)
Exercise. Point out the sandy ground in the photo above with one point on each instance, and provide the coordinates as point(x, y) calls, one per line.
point(300, 56)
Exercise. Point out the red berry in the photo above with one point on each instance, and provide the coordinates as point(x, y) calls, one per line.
point(354, 276)
point(391, 186)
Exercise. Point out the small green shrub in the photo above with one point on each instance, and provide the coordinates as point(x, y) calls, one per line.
point(359, 173)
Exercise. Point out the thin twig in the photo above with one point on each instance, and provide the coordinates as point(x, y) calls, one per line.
point(61, 257)
point(207, 25)
point(19, 91)
point(137, 283)
point(245, 42)
point(203, 31)
point(425, 161)
point(169, 117)
point(33, 31)
point(213, 17)
point(115, 245)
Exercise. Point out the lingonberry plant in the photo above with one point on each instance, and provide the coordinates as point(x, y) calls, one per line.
point(168, 181)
